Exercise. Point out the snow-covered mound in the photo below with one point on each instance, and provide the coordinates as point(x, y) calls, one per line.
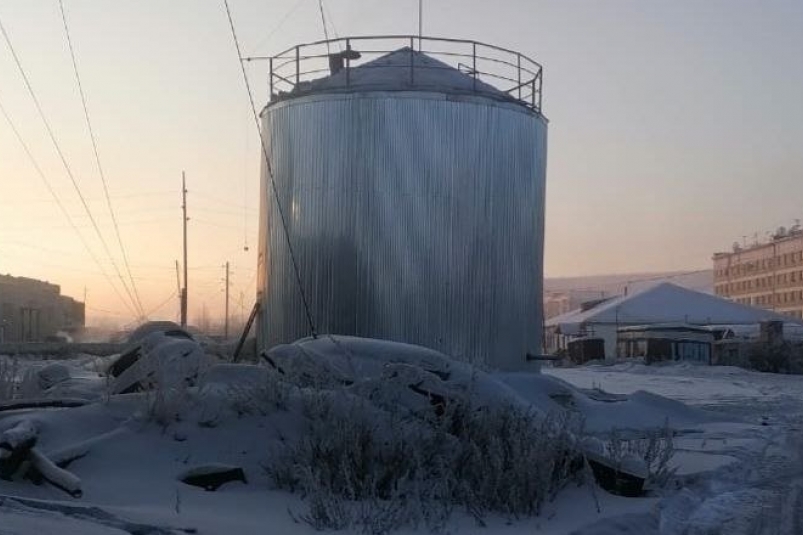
point(401, 406)
point(150, 327)
point(389, 372)
point(164, 360)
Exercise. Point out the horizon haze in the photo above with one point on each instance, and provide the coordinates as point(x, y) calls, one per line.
point(674, 131)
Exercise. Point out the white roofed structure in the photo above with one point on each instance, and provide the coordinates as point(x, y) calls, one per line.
point(664, 303)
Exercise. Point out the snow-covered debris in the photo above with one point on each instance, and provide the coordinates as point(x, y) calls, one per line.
point(17, 450)
point(65, 455)
point(52, 374)
point(408, 426)
point(133, 351)
point(22, 436)
point(165, 362)
point(459, 439)
point(59, 477)
point(330, 360)
point(166, 327)
point(226, 376)
point(406, 386)
point(212, 476)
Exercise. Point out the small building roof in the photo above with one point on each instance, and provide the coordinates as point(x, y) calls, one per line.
point(664, 303)
point(404, 69)
point(665, 327)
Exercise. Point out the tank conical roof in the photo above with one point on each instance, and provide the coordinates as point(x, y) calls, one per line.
point(404, 69)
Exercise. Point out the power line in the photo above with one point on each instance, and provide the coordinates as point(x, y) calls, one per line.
point(331, 20)
point(26, 228)
point(64, 160)
point(18, 202)
point(60, 204)
point(161, 305)
point(279, 24)
point(105, 311)
point(325, 29)
point(149, 313)
point(97, 156)
point(270, 174)
point(623, 281)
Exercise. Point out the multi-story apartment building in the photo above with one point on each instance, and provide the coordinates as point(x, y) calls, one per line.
point(766, 275)
point(33, 310)
point(556, 303)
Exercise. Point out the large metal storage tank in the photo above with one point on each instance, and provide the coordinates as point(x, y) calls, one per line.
point(413, 195)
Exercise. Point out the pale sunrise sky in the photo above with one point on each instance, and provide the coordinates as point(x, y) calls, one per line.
point(676, 127)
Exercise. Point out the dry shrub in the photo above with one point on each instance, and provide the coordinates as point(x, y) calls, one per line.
point(8, 378)
point(656, 449)
point(375, 470)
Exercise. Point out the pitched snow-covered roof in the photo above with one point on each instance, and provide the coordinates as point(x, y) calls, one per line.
point(392, 72)
point(664, 303)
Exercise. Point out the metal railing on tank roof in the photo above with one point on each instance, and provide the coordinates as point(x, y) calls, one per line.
point(514, 75)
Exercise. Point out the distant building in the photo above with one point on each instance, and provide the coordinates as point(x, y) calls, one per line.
point(564, 294)
point(767, 275)
point(664, 311)
point(35, 311)
point(556, 303)
point(669, 342)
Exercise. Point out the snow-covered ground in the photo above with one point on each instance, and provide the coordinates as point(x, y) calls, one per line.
point(738, 457)
point(739, 477)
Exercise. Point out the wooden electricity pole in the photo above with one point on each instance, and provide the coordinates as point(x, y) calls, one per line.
point(184, 222)
point(226, 323)
point(179, 291)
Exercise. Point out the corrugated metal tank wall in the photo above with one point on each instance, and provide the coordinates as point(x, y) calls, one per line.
point(415, 217)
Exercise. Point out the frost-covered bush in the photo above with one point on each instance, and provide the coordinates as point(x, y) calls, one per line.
point(166, 370)
point(262, 397)
point(17, 382)
point(165, 401)
point(8, 378)
point(377, 470)
point(786, 357)
point(29, 384)
point(656, 449)
point(510, 461)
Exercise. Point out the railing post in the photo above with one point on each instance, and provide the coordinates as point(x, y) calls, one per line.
point(412, 61)
point(540, 87)
point(348, 63)
point(518, 62)
point(270, 83)
point(298, 67)
point(532, 96)
point(474, 65)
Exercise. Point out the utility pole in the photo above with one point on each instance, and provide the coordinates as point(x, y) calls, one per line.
point(226, 323)
point(184, 221)
point(242, 308)
point(179, 292)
